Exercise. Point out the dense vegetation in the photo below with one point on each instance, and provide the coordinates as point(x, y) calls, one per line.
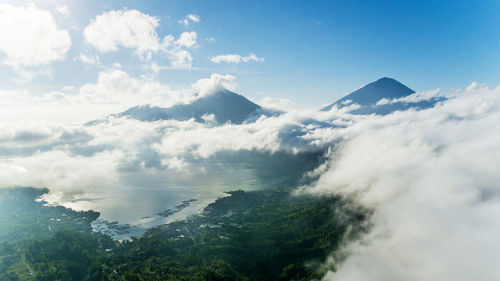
point(262, 235)
point(31, 233)
point(23, 217)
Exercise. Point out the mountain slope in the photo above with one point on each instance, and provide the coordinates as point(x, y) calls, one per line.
point(370, 94)
point(225, 105)
point(371, 97)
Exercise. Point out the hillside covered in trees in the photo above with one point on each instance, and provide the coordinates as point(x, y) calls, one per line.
point(259, 235)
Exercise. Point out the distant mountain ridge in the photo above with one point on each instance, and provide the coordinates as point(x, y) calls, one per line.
point(224, 105)
point(381, 97)
point(370, 96)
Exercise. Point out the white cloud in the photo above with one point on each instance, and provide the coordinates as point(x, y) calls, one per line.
point(431, 179)
point(111, 153)
point(287, 132)
point(13, 97)
point(178, 56)
point(63, 10)
point(416, 97)
point(115, 86)
point(382, 101)
point(187, 39)
point(276, 103)
point(118, 87)
point(114, 91)
point(251, 57)
point(191, 18)
point(136, 30)
point(155, 68)
point(29, 37)
point(180, 59)
point(175, 163)
point(216, 82)
point(204, 141)
point(66, 174)
point(226, 58)
point(89, 59)
point(234, 58)
point(128, 28)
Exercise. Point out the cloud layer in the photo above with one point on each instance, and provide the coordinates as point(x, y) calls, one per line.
point(100, 164)
point(431, 178)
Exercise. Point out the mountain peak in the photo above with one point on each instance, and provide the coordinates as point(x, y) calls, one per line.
point(386, 79)
point(225, 105)
point(370, 94)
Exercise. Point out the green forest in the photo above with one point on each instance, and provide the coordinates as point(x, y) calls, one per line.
point(258, 235)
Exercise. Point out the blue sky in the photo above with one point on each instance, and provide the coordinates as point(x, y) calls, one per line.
point(313, 51)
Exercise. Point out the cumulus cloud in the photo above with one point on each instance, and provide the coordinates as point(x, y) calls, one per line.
point(191, 18)
point(178, 164)
point(430, 176)
point(175, 50)
point(128, 28)
point(29, 37)
point(215, 82)
point(187, 39)
point(136, 30)
point(181, 59)
point(117, 86)
point(234, 58)
point(113, 91)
